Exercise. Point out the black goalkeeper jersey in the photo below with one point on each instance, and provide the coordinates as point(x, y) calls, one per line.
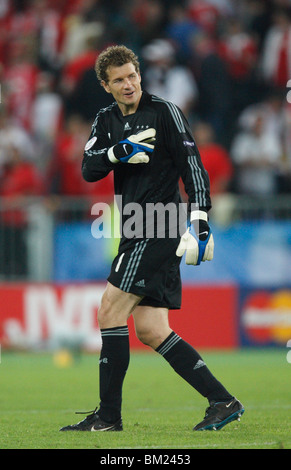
point(175, 155)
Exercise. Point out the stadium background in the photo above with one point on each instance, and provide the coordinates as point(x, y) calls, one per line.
point(227, 64)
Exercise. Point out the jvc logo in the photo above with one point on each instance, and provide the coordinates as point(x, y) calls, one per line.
point(51, 316)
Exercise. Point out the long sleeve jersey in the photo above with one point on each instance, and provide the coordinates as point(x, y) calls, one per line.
point(175, 155)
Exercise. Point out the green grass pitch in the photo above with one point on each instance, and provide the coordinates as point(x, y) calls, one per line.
point(159, 408)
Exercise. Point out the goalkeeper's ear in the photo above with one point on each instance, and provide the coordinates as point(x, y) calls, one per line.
point(106, 86)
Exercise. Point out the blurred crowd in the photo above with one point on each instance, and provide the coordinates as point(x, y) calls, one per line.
point(225, 63)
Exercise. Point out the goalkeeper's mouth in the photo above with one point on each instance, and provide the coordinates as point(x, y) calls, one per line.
point(129, 94)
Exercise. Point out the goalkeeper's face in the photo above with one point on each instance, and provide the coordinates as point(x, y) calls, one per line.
point(124, 83)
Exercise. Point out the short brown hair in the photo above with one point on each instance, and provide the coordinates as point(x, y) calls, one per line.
point(114, 56)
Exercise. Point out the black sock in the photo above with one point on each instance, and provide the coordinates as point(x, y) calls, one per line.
point(113, 364)
point(189, 365)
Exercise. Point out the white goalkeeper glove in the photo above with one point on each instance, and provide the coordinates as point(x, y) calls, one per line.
point(197, 241)
point(134, 149)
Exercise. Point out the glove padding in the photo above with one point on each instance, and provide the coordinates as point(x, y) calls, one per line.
point(197, 242)
point(134, 149)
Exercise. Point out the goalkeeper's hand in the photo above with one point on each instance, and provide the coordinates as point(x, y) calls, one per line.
point(134, 149)
point(197, 241)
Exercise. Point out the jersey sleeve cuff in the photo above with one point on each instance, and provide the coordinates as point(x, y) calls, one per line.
point(111, 156)
point(198, 215)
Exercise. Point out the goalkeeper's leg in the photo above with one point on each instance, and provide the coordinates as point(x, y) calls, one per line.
point(115, 309)
point(152, 328)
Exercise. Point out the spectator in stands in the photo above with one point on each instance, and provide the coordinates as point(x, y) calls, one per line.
point(238, 49)
point(276, 54)
point(165, 78)
point(19, 178)
point(205, 14)
point(64, 175)
point(274, 111)
point(271, 110)
point(47, 117)
point(87, 97)
point(257, 17)
point(149, 18)
point(215, 158)
point(257, 156)
point(120, 28)
point(49, 34)
point(5, 15)
point(77, 65)
point(181, 30)
point(12, 134)
point(20, 80)
point(214, 87)
point(43, 24)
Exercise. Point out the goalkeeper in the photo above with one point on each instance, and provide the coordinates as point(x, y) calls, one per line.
point(147, 143)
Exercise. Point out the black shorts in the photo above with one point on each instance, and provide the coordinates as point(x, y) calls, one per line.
point(150, 268)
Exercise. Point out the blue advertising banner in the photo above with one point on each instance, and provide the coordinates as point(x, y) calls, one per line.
point(252, 254)
point(249, 254)
point(78, 256)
